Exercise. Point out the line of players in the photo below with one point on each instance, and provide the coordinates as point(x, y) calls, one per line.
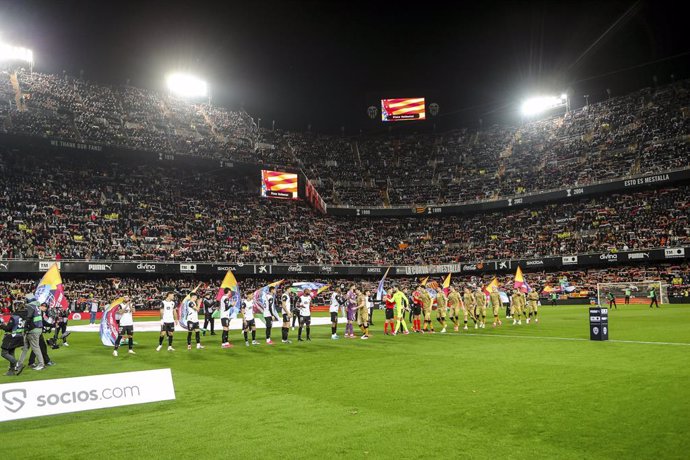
point(472, 304)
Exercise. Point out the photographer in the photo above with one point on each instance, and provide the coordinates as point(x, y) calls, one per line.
point(33, 316)
point(61, 319)
point(13, 339)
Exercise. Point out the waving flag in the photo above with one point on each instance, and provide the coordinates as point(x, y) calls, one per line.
point(50, 290)
point(316, 288)
point(183, 309)
point(423, 281)
point(108, 326)
point(446, 284)
point(380, 291)
point(489, 287)
point(235, 297)
point(520, 282)
point(259, 296)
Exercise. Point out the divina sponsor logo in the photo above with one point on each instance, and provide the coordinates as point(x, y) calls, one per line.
point(609, 257)
point(147, 267)
point(326, 268)
point(100, 267)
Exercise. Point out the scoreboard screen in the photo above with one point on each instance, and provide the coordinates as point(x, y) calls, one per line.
point(411, 108)
point(278, 184)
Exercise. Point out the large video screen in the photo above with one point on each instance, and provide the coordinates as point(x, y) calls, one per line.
point(410, 108)
point(278, 184)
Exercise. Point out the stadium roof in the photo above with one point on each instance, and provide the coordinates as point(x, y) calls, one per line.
point(321, 63)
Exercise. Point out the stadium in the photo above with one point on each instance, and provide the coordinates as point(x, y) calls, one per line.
point(398, 266)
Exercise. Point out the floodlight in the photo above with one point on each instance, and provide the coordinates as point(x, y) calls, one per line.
point(537, 105)
point(15, 53)
point(186, 85)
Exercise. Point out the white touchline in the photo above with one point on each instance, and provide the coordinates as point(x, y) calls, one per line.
point(577, 339)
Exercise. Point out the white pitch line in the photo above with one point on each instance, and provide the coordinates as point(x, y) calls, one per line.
point(577, 339)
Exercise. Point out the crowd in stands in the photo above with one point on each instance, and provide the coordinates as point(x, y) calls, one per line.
point(642, 132)
point(147, 292)
point(81, 206)
point(66, 108)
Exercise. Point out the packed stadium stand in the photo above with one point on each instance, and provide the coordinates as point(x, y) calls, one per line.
point(95, 207)
point(645, 131)
point(60, 204)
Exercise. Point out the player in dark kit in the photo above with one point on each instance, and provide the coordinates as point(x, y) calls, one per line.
point(612, 300)
point(652, 298)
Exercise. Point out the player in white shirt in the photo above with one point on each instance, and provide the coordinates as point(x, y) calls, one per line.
point(193, 307)
point(287, 315)
point(305, 314)
point(248, 322)
point(336, 300)
point(126, 329)
point(225, 308)
point(168, 321)
point(270, 312)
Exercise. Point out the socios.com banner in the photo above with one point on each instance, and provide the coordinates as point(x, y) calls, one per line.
point(61, 396)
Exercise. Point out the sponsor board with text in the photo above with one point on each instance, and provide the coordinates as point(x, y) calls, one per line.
point(59, 396)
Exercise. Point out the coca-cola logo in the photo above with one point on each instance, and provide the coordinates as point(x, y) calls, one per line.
point(295, 268)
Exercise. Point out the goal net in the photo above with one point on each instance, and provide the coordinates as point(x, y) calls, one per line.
point(638, 292)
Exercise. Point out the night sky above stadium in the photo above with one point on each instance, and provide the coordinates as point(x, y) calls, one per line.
point(324, 62)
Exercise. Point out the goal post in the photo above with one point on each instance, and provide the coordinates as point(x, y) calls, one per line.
point(638, 292)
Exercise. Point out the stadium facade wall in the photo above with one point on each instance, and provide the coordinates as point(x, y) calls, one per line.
point(272, 270)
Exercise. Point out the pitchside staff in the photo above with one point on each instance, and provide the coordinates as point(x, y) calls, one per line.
point(209, 309)
point(13, 339)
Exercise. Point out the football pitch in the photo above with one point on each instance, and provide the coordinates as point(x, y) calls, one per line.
point(542, 390)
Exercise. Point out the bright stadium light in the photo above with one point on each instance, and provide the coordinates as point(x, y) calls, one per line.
point(537, 105)
point(186, 85)
point(15, 53)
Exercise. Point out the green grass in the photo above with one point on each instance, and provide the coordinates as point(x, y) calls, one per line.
point(513, 392)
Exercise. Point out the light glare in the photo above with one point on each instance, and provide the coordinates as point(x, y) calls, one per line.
point(15, 53)
point(187, 85)
point(541, 104)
